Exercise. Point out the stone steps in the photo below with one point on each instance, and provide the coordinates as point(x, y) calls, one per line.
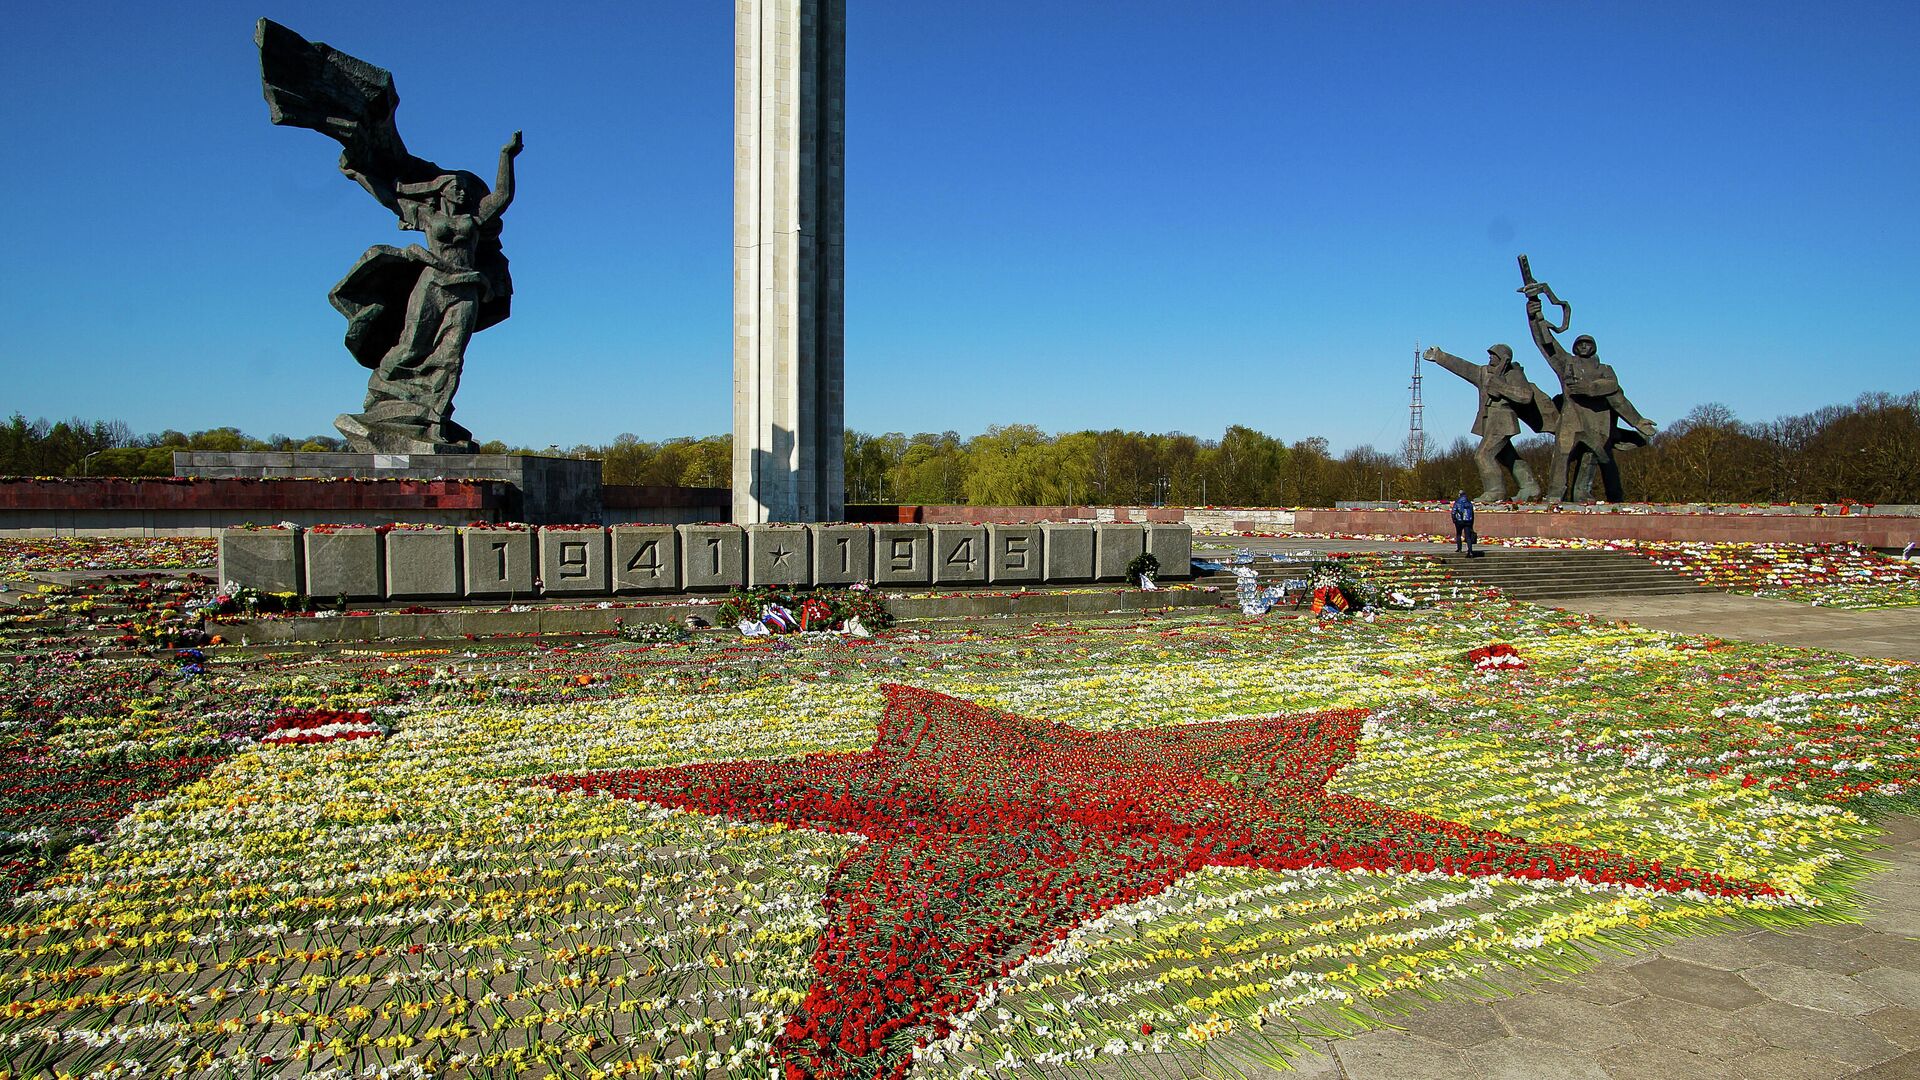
point(1548, 575)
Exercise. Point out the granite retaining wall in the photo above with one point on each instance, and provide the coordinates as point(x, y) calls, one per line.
point(156, 505)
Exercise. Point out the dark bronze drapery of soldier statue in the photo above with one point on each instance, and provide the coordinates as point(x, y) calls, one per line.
point(410, 311)
point(1507, 399)
point(1589, 402)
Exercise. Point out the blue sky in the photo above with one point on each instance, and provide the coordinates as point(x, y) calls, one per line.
point(1126, 214)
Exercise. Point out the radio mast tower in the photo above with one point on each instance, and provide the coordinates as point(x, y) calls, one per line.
point(1416, 423)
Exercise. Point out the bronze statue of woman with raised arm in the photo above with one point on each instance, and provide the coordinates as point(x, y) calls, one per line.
point(410, 311)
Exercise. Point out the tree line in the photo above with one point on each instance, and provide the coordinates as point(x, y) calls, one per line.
point(1868, 451)
point(78, 447)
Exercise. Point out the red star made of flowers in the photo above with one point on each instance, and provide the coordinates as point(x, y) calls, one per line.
point(990, 836)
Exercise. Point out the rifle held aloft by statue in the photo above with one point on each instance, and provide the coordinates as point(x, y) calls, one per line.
point(1530, 287)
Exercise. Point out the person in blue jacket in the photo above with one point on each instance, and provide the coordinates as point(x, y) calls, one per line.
point(1463, 522)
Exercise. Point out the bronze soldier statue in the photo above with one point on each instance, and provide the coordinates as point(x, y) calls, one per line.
point(1589, 402)
point(1507, 398)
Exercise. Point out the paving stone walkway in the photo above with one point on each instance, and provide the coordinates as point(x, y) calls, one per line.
point(1815, 1003)
point(1893, 633)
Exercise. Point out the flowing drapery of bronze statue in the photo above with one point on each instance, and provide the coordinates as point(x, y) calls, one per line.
point(410, 311)
point(1507, 400)
point(1590, 402)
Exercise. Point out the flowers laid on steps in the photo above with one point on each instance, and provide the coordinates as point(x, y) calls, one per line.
point(856, 610)
point(1827, 575)
point(22, 556)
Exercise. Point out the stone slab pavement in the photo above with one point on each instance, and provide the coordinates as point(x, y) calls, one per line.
point(1892, 633)
point(1814, 1003)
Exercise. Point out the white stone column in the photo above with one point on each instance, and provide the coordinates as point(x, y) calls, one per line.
point(789, 197)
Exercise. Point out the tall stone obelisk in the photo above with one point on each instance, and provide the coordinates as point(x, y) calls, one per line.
point(789, 199)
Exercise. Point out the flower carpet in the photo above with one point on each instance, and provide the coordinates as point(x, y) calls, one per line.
point(970, 852)
point(137, 611)
point(20, 557)
point(1826, 575)
point(1829, 575)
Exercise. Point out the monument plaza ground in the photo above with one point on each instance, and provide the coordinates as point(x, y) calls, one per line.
point(384, 757)
point(1604, 850)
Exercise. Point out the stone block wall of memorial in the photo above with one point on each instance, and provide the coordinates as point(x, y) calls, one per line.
point(516, 562)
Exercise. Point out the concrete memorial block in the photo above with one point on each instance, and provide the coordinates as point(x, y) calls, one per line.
point(343, 562)
point(712, 557)
point(646, 559)
point(842, 554)
point(264, 559)
point(1114, 546)
point(959, 554)
point(1173, 546)
point(1068, 554)
point(779, 554)
point(1014, 552)
point(573, 562)
point(423, 563)
point(901, 555)
point(497, 562)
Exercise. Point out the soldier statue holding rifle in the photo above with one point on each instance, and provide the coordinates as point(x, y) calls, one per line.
point(1590, 400)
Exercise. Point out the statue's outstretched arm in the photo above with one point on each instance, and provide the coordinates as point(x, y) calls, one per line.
point(380, 187)
point(405, 205)
point(501, 196)
point(1460, 367)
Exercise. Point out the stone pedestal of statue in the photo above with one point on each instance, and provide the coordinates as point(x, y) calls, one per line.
point(551, 490)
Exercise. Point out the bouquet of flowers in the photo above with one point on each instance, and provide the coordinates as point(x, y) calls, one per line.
point(320, 726)
point(1497, 657)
